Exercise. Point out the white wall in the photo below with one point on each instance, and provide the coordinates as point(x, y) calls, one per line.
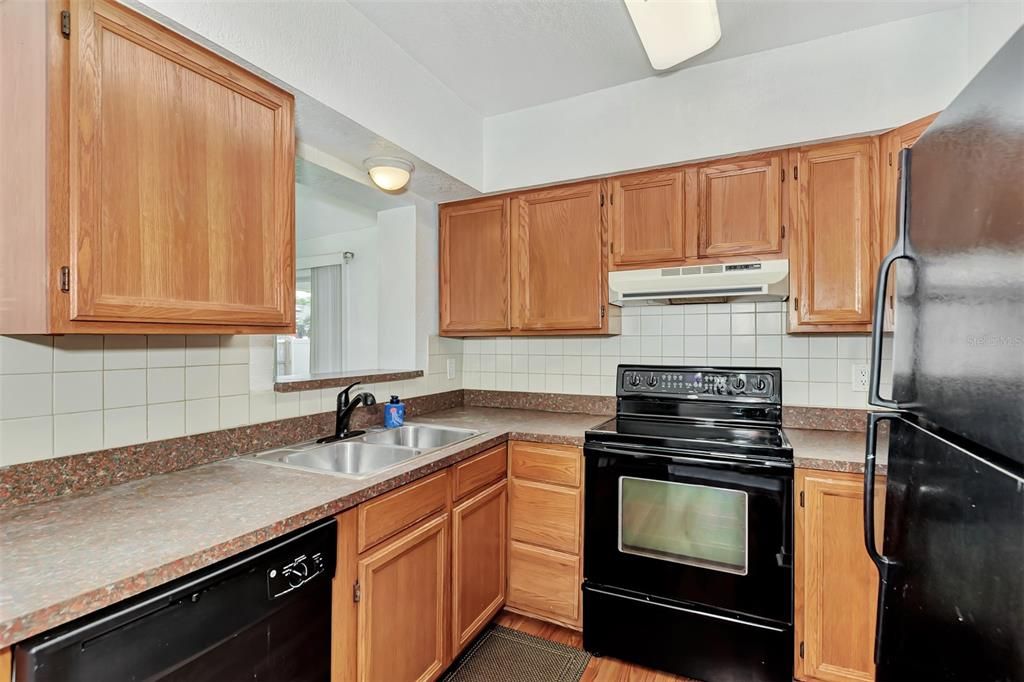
point(860, 81)
point(990, 23)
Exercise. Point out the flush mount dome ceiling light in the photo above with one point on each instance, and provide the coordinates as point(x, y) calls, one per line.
point(673, 31)
point(390, 173)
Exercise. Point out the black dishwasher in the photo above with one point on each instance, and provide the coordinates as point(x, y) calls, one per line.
point(264, 615)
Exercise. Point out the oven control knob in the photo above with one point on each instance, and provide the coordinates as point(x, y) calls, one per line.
point(652, 381)
point(738, 383)
point(760, 385)
point(634, 380)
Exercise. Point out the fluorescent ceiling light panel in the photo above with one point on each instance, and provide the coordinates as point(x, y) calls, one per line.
point(673, 31)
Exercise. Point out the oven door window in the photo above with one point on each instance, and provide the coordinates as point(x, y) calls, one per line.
point(689, 524)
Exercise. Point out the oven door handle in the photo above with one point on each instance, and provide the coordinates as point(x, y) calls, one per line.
point(688, 459)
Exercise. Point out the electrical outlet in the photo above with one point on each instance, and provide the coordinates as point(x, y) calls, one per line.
point(451, 368)
point(860, 378)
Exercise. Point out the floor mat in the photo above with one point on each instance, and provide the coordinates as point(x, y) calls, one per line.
point(500, 654)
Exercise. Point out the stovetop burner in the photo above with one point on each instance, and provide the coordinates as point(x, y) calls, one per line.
point(734, 411)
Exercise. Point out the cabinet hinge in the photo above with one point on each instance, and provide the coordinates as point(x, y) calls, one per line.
point(796, 175)
point(801, 498)
point(357, 592)
point(65, 279)
point(796, 303)
point(65, 24)
point(801, 649)
point(783, 175)
point(602, 198)
point(602, 311)
point(890, 158)
point(783, 235)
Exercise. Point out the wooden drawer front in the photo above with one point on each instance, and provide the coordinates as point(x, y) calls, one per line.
point(544, 582)
point(383, 517)
point(546, 515)
point(475, 473)
point(558, 464)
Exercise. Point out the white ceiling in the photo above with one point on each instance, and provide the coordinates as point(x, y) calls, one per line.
point(503, 55)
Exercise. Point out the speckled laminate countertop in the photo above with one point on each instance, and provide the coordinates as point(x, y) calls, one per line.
point(834, 450)
point(73, 555)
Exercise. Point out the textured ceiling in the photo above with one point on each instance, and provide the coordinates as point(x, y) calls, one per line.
point(503, 55)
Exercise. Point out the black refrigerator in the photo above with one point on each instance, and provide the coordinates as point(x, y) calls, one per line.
point(951, 562)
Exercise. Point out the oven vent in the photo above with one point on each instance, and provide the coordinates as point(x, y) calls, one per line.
point(752, 281)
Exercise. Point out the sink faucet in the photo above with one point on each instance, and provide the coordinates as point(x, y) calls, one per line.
point(344, 413)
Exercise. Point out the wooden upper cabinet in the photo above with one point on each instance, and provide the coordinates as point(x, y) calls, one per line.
point(892, 143)
point(559, 258)
point(176, 210)
point(832, 255)
point(475, 266)
point(836, 583)
point(739, 207)
point(646, 217)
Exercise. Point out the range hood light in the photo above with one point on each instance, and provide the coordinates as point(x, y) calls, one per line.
point(390, 173)
point(673, 31)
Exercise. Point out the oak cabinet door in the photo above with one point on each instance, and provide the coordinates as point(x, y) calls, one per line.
point(545, 583)
point(559, 258)
point(403, 607)
point(646, 213)
point(892, 143)
point(836, 583)
point(831, 257)
point(181, 179)
point(479, 562)
point(739, 207)
point(475, 266)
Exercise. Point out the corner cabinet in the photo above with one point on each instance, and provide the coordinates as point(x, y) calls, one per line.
point(833, 253)
point(836, 583)
point(166, 174)
point(527, 264)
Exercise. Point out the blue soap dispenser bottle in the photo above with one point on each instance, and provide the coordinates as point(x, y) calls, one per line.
point(394, 413)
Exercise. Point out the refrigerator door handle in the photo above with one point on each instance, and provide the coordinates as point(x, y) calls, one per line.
point(882, 562)
point(899, 251)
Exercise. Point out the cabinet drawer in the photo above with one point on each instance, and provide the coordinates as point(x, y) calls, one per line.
point(544, 582)
point(558, 464)
point(545, 515)
point(383, 517)
point(477, 472)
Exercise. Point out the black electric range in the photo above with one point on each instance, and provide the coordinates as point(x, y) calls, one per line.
point(689, 524)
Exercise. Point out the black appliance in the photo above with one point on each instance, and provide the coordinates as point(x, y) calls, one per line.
point(264, 615)
point(689, 525)
point(951, 595)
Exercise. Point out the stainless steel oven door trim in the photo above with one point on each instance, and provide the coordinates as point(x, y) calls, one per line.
point(695, 563)
point(685, 610)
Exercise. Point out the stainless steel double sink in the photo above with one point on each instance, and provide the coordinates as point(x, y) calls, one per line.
point(368, 454)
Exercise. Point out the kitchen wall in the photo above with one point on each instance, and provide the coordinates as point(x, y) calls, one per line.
point(63, 395)
point(816, 368)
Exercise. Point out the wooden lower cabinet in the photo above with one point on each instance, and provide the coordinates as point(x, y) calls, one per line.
point(836, 584)
point(545, 532)
point(403, 606)
point(479, 562)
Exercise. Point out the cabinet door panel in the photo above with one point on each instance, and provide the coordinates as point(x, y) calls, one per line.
point(559, 258)
point(544, 583)
point(837, 584)
point(182, 180)
point(545, 515)
point(479, 561)
point(475, 274)
point(647, 218)
point(739, 207)
point(833, 271)
point(403, 624)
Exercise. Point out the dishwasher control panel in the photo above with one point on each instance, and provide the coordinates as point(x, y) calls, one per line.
point(284, 578)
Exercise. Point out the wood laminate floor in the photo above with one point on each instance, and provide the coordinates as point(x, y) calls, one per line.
point(599, 669)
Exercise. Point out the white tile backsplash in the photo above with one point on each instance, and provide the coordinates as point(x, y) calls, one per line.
point(815, 368)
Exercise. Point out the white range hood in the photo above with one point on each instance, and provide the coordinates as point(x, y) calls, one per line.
point(753, 281)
